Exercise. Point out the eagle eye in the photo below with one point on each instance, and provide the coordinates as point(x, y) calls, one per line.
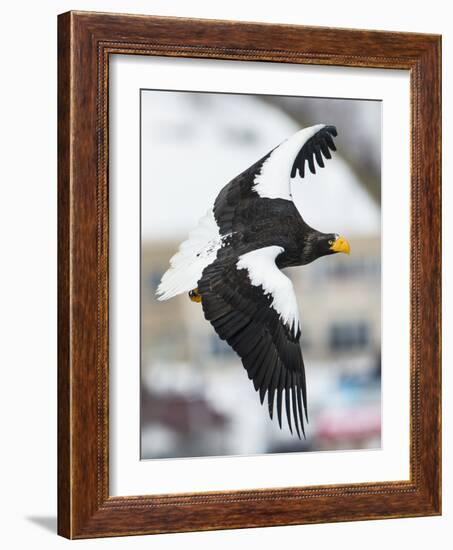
point(330, 242)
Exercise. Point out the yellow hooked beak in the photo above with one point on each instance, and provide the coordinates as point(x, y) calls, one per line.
point(341, 245)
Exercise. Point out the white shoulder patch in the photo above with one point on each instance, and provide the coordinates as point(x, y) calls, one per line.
point(263, 271)
point(273, 182)
point(194, 254)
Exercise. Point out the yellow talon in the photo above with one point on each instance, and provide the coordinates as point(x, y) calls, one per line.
point(195, 296)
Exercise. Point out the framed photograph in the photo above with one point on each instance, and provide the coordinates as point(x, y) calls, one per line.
point(249, 275)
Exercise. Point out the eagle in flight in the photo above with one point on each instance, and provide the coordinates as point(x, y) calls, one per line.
point(232, 261)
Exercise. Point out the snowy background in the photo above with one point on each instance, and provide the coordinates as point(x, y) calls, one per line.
point(196, 399)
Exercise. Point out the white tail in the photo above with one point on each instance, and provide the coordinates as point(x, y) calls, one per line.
point(193, 255)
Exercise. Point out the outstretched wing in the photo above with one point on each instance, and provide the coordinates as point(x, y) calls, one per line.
point(270, 177)
point(252, 305)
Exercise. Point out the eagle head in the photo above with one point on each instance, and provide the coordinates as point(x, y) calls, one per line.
point(323, 244)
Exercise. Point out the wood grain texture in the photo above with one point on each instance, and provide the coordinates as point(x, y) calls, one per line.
point(64, 369)
point(85, 42)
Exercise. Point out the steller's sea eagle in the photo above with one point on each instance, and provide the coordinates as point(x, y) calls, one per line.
point(231, 263)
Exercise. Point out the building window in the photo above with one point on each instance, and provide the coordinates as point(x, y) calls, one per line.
point(219, 347)
point(361, 267)
point(346, 336)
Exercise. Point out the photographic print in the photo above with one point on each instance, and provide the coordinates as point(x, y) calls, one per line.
point(260, 274)
point(248, 235)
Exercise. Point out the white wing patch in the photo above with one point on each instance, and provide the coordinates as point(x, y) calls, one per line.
point(263, 271)
point(193, 255)
point(273, 182)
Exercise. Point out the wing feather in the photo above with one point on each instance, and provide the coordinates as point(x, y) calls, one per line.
point(252, 306)
point(270, 178)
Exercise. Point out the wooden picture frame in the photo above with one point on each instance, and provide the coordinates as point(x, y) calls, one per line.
point(85, 42)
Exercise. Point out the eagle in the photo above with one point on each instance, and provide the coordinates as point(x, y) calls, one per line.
point(231, 263)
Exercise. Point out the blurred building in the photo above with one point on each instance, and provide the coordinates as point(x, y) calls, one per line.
point(185, 364)
point(348, 288)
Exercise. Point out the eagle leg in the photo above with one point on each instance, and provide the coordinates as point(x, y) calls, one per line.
point(195, 296)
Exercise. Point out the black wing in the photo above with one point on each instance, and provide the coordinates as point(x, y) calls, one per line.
point(239, 198)
point(242, 314)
